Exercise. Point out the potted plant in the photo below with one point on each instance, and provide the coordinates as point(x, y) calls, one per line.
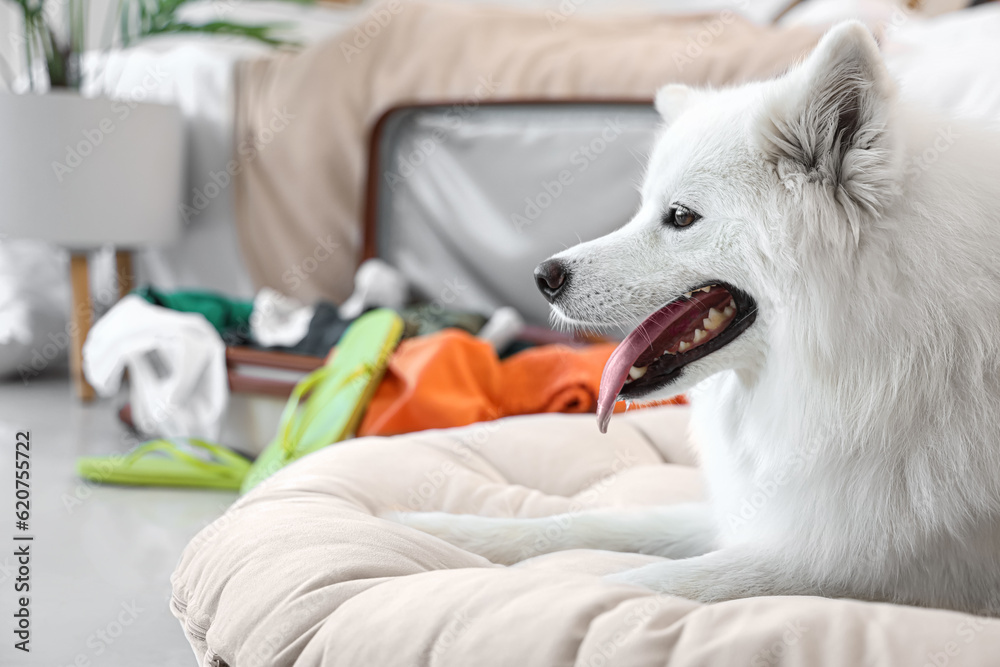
point(54, 36)
point(86, 173)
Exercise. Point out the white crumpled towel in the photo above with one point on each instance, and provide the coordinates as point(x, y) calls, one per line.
point(176, 364)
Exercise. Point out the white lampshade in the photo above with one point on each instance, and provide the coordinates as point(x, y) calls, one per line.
point(88, 172)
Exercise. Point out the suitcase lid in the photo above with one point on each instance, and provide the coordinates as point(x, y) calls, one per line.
point(466, 199)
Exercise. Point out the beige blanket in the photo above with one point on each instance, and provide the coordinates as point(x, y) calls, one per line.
point(300, 571)
point(303, 120)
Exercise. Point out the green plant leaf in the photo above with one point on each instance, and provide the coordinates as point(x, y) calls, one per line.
point(60, 46)
point(262, 33)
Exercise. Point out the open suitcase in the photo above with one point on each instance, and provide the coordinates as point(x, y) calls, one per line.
point(466, 201)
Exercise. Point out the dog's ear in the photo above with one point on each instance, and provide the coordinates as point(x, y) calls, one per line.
point(672, 100)
point(827, 124)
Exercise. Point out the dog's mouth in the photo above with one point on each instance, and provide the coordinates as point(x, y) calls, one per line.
point(688, 328)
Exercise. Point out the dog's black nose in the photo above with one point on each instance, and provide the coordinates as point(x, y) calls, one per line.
point(550, 276)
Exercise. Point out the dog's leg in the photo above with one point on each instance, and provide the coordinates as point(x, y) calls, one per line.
point(726, 574)
point(673, 531)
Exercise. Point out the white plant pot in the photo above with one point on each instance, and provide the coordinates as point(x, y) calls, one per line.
point(88, 172)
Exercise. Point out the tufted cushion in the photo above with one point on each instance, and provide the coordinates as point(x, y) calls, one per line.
point(301, 571)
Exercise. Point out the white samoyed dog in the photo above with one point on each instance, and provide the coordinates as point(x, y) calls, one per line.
point(817, 262)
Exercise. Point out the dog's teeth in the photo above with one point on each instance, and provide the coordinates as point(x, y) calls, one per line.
point(731, 304)
point(687, 294)
point(713, 320)
point(699, 335)
point(728, 312)
point(684, 346)
point(636, 373)
point(706, 289)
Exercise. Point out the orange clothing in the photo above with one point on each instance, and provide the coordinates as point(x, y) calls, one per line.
point(452, 379)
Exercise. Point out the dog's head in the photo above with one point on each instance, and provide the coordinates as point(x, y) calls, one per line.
point(742, 184)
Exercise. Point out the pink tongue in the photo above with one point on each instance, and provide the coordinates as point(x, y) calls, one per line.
point(621, 360)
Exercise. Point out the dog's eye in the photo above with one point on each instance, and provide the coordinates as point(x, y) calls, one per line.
point(681, 216)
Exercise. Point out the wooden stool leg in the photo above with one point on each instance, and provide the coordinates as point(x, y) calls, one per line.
point(124, 275)
point(82, 317)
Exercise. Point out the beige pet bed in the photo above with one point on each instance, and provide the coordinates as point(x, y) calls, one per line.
point(302, 572)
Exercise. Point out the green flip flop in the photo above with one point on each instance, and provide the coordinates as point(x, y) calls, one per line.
point(186, 462)
point(338, 394)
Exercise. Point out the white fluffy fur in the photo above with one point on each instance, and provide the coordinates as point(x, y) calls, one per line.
point(853, 431)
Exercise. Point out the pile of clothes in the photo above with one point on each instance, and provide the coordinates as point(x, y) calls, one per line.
point(452, 368)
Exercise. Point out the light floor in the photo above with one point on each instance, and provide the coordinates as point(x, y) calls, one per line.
point(101, 555)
